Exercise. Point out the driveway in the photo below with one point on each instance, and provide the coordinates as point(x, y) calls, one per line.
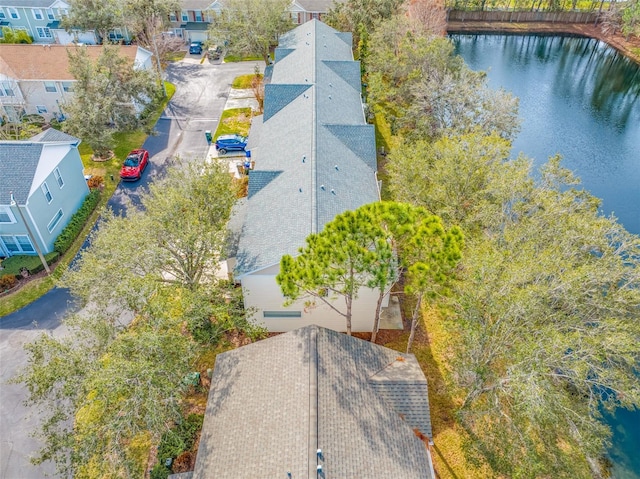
point(201, 94)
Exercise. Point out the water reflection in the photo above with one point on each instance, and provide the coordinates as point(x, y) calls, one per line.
point(579, 98)
point(586, 70)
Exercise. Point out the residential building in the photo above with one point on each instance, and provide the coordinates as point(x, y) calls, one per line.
point(35, 79)
point(34, 17)
point(315, 157)
point(304, 10)
point(192, 22)
point(44, 177)
point(314, 403)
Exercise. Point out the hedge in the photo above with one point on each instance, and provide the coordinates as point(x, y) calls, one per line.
point(32, 263)
point(78, 220)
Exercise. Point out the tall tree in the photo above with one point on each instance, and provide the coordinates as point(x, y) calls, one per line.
point(543, 309)
point(113, 384)
point(101, 16)
point(358, 16)
point(251, 27)
point(108, 94)
point(427, 91)
point(178, 239)
point(367, 248)
point(334, 264)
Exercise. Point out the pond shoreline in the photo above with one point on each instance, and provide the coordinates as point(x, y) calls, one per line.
point(617, 41)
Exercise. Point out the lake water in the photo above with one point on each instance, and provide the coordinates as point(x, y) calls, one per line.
point(579, 98)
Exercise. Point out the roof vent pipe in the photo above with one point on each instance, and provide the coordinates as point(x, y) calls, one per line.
point(322, 187)
point(319, 454)
point(333, 192)
point(319, 468)
point(336, 167)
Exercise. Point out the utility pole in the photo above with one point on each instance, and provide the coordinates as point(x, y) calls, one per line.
point(30, 234)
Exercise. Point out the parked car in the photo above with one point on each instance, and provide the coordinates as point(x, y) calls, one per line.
point(195, 48)
point(134, 165)
point(226, 143)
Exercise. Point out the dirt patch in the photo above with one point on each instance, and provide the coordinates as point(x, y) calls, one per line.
point(628, 47)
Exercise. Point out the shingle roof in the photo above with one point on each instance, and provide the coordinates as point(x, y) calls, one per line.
point(18, 164)
point(195, 26)
point(47, 62)
point(273, 403)
point(29, 3)
point(53, 135)
point(321, 6)
point(314, 133)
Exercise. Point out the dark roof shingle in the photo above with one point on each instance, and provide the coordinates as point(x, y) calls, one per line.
point(273, 403)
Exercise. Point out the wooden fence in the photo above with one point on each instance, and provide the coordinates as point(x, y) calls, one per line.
point(521, 17)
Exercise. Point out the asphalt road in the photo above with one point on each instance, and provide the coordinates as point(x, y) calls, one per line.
point(201, 94)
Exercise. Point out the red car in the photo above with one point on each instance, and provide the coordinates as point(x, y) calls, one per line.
point(134, 165)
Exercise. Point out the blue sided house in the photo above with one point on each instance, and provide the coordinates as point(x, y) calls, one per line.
point(41, 183)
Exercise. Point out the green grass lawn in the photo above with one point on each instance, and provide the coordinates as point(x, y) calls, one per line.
point(125, 142)
point(244, 81)
point(235, 120)
point(240, 58)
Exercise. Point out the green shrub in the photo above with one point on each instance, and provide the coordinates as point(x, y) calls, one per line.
point(171, 446)
point(159, 471)
point(7, 281)
point(70, 232)
point(32, 263)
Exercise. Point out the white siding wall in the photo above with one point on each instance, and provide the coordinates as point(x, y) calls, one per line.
point(262, 293)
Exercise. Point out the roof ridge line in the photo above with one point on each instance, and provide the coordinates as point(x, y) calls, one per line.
point(313, 403)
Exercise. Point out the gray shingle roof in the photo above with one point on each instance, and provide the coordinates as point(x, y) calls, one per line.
point(260, 179)
point(321, 6)
point(29, 3)
point(53, 135)
point(276, 97)
point(273, 403)
point(313, 121)
point(18, 164)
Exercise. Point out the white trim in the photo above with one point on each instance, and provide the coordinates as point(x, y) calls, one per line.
point(50, 14)
point(3, 16)
point(46, 191)
point(9, 213)
point(58, 177)
point(11, 11)
point(34, 224)
point(55, 87)
point(53, 222)
point(39, 11)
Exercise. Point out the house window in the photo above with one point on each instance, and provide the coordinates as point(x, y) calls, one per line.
point(185, 16)
point(50, 14)
point(43, 32)
point(13, 13)
point(54, 221)
point(198, 16)
point(37, 13)
point(46, 192)
point(63, 12)
point(41, 109)
point(2, 15)
point(6, 216)
point(67, 86)
point(58, 176)
point(282, 314)
point(50, 86)
point(17, 244)
point(6, 89)
point(173, 17)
